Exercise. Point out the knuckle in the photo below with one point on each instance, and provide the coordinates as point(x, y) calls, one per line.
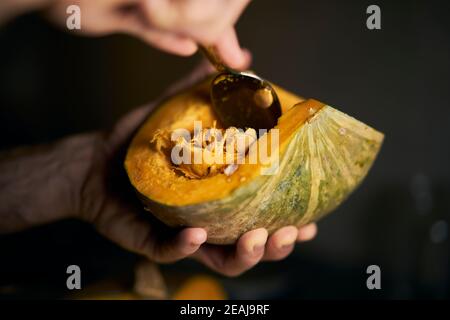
point(194, 12)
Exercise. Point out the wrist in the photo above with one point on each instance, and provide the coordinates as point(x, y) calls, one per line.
point(81, 159)
point(42, 184)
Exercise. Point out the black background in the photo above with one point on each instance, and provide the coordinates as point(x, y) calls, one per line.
point(396, 79)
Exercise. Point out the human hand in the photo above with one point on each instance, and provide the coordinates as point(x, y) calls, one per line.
point(83, 177)
point(175, 26)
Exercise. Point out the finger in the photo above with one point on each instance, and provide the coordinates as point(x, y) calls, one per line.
point(232, 262)
point(281, 243)
point(198, 19)
point(230, 51)
point(185, 243)
point(169, 42)
point(125, 227)
point(307, 232)
point(135, 23)
point(166, 41)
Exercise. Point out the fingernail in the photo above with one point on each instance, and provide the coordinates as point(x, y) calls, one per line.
point(288, 240)
point(241, 60)
point(307, 232)
point(198, 240)
point(258, 249)
point(247, 55)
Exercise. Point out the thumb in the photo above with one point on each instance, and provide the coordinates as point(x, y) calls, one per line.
point(134, 233)
point(182, 245)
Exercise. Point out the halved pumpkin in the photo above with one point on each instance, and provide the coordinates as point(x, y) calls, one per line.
point(323, 155)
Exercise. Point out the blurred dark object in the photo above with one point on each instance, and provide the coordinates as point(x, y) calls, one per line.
point(395, 79)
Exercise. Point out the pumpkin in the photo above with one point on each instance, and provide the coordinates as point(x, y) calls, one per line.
point(322, 155)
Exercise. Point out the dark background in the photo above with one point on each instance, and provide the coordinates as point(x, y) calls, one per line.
point(395, 79)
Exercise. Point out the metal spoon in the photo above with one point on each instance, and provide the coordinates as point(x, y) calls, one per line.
point(242, 99)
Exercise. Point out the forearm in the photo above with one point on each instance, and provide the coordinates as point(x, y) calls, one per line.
point(42, 184)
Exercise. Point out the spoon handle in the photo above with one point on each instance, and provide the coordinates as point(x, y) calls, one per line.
point(213, 56)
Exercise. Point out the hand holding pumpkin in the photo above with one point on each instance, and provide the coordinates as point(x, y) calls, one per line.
point(83, 177)
point(118, 216)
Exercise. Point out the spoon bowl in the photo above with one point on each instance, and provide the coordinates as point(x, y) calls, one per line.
point(242, 99)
